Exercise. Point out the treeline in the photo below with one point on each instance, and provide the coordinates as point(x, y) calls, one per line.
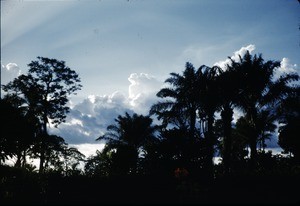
point(195, 115)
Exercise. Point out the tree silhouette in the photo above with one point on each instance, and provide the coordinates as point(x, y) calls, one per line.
point(54, 150)
point(127, 138)
point(289, 139)
point(228, 86)
point(17, 133)
point(45, 90)
point(180, 104)
point(99, 164)
point(289, 117)
point(239, 143)
point(258, 89)
point(71, 161)
point(209, 103)
point(192, 93)
point(175, 150)
point(265, 126)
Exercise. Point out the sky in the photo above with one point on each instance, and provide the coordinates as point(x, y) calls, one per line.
point(123, 50)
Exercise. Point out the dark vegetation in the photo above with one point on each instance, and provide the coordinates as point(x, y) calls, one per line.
point(166, 163)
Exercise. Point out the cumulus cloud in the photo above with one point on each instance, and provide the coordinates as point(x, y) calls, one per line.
point(89, 118)
point(9, 72)
point(285, 68)
point(142, 91)
point(241, 52)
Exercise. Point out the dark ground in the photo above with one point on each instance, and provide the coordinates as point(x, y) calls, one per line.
point(29, 189)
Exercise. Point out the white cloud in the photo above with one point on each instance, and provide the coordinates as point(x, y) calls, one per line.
point(241, 52)
point(88, 149)
point(285, 68)
point(89, 119)
point(9, 72)
point(142, 91)
point(86, 122)
point(285, 65)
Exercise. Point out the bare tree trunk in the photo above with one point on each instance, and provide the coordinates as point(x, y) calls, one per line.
point(210, 147)
point(42, 156)
point(192, 124)
point(226, 115)
point(43, 146)
point(253, 139)
point(18, 162)
point(24, 158)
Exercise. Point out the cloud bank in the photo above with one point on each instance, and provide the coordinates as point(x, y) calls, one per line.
point(89, 119)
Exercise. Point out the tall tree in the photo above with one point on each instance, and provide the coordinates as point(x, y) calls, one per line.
point(192, 93)
point(259, 89)
point(180, 101)
point(289, 118)
point(45, 89)
point(228, 87)
point(208, 103)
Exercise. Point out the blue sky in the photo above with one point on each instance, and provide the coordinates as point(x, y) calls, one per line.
point(124, 50)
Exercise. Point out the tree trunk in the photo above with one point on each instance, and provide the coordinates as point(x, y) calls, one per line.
point(253, 139)
point(18, 162)
point(24, 158)
point(226, 115)
point(210, 147)
point(192, 124)
point(42, 155)
point(43, 146)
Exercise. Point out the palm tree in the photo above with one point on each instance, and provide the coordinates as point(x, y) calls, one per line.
point(208, 100)
point(289, 118)
point(265, 125)
point(258, 89)
point(228, 89)
point(128, 137)
point(180, 104)
point(192, 93)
